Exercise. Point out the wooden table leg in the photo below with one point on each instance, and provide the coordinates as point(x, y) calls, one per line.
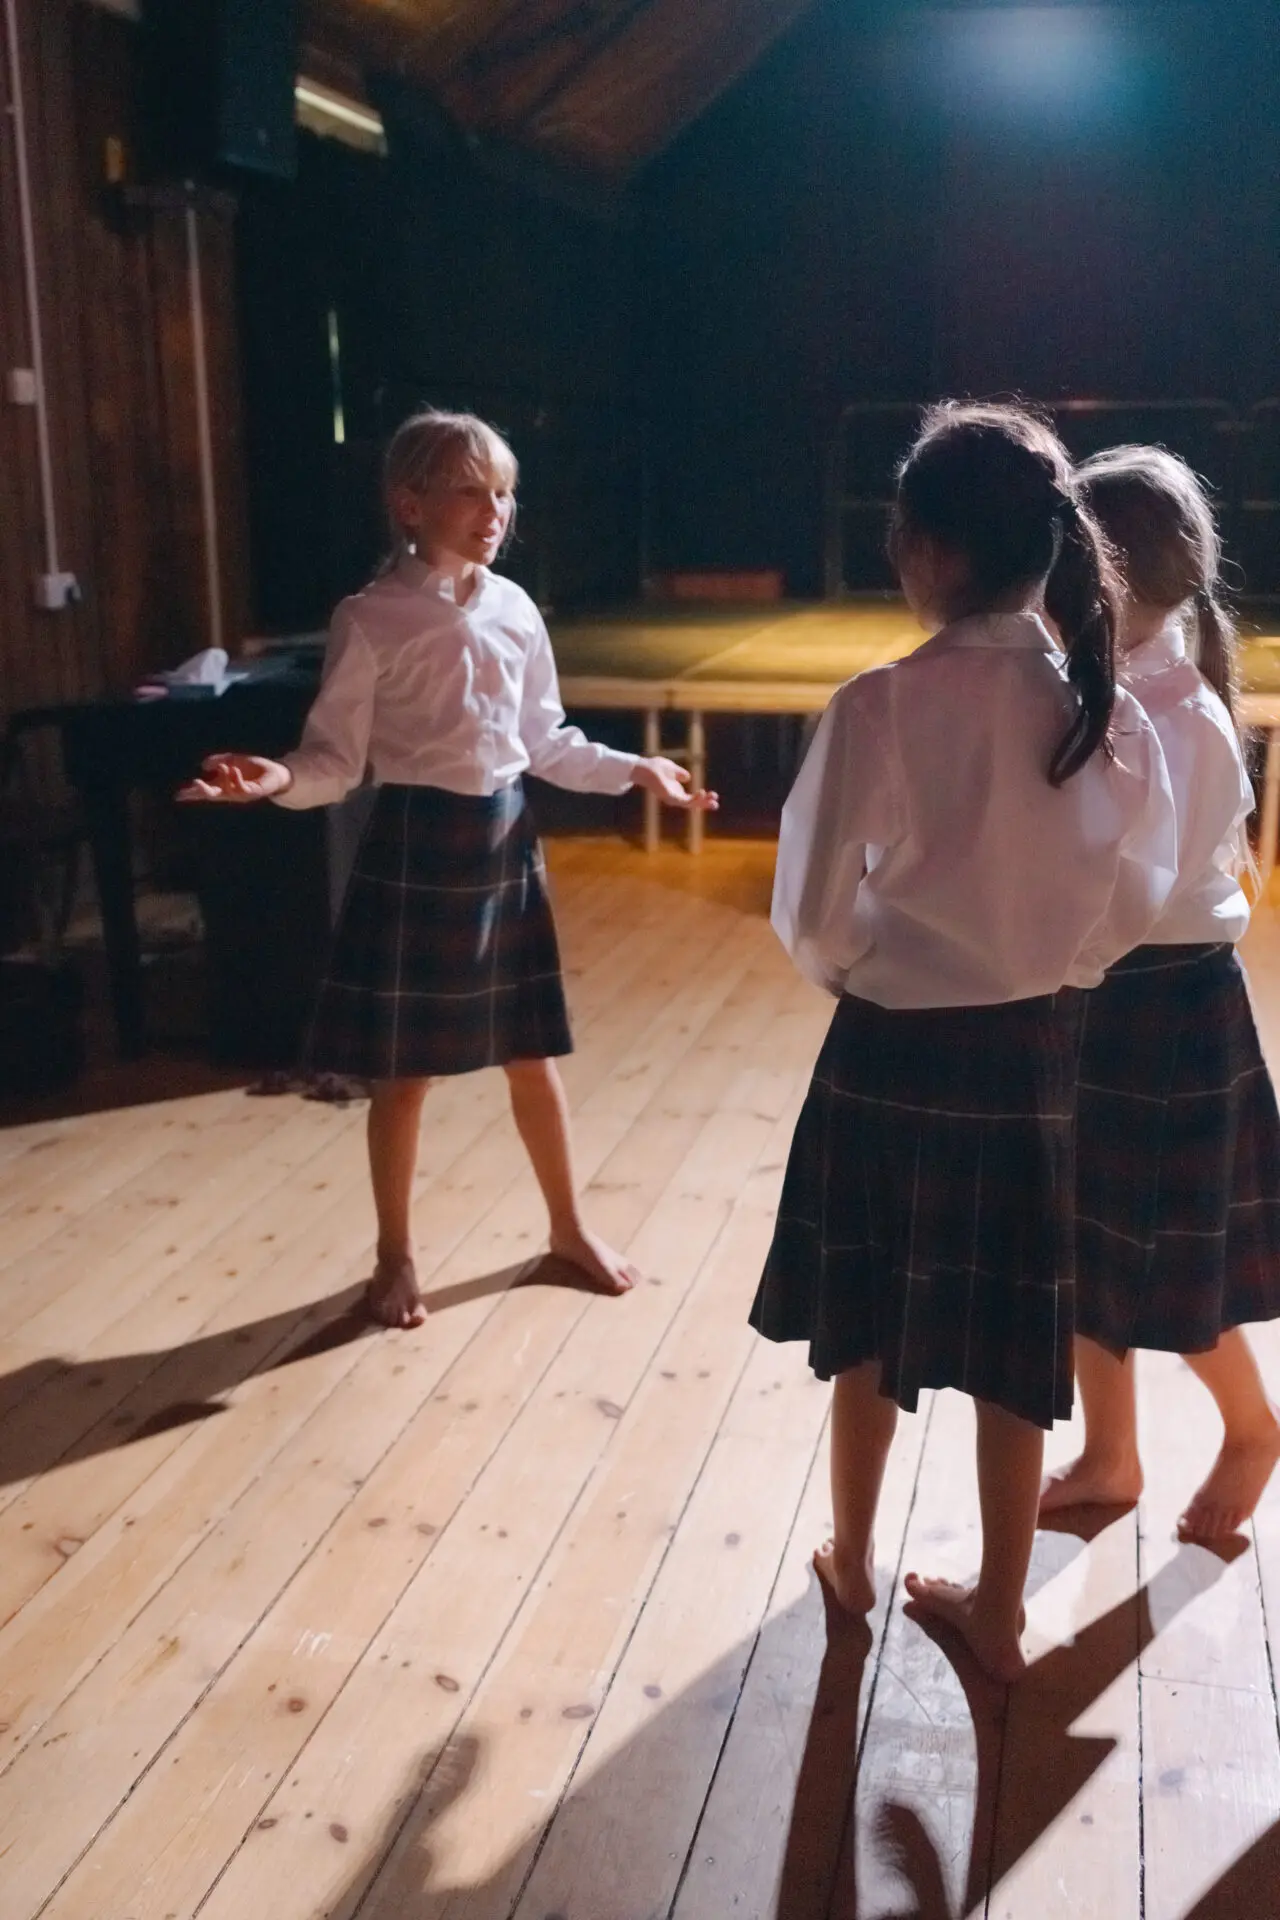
point(1270, 822)
point(697, 751)
point(106, 814)
point(652, 805)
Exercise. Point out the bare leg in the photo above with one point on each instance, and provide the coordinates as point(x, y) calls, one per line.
point(394, 1112)
point(1250, 1443)
point(863, 1421)
point(1108, 1472)
point(990, 1614)
point(542, 1118)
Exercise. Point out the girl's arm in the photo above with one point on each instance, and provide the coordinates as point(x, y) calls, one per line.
point(1148, 867)
point(335, 741)
point(334, 751)
point(843, 801)
point(558, 752)
point(564, 755)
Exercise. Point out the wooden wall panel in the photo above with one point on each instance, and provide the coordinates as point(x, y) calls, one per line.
point(113, 275)
point(45, 656)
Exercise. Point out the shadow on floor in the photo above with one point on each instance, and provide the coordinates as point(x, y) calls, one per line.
point(629, 1808)
point(54, 1412)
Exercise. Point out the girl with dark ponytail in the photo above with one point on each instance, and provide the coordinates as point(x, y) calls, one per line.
point(976, 833)
point(1178, 1234)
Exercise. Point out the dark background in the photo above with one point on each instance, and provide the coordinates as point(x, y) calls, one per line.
point(897, 202)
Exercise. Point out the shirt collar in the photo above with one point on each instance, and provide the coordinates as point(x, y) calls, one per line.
point(1025, 631)
point(1166, 648)
point(420, 577)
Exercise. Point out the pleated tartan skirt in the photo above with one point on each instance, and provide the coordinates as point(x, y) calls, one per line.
point(444, 958)
point(927, 1212)
point(1178, 1228)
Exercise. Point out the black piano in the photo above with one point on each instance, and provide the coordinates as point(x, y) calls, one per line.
point(266, 875)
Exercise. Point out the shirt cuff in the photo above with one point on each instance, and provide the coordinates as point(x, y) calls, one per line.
point(618, 770)
point(310, 788)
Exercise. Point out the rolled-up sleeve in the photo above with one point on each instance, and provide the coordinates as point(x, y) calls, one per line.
point(558, 752)
point(1147, 869)
point(334, 750)
point(842, 805)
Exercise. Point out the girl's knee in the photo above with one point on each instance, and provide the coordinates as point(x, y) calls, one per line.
point(400, 1093)
point(526, 1072)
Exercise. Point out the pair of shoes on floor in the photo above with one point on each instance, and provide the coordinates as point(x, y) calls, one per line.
point(336, 1089)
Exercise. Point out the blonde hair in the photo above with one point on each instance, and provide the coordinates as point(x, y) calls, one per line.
point(435, 446)
point(1156, 513)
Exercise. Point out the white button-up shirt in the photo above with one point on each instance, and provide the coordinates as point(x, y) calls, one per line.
point(1211, 790)
point(925, 860)
point(429, 693)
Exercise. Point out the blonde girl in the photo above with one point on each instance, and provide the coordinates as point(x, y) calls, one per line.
point(439, 679)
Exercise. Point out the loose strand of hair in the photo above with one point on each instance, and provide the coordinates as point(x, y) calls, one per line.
point(1216, 648)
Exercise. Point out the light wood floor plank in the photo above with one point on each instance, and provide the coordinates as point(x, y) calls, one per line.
point(454, 1208)
point(619, 1843)
point(102, 1163)
point(572, 1627)
point(1067, 1839)
point(705, 990)
point(771, 1833)
point(69, 1290)
point(456, 1611)
point(456, 1116)
point(449, 1626)
point(1211, 1783)
point(934, 1720)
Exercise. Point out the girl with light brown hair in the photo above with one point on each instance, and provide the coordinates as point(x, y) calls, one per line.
point(1178, 1215)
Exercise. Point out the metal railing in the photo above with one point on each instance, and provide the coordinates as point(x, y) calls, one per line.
point(1237, 451)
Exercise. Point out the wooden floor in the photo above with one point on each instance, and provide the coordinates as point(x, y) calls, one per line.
point(512, 1616)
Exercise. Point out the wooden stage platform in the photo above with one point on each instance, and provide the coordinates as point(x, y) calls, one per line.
point(693, 660)
point(511, 1618)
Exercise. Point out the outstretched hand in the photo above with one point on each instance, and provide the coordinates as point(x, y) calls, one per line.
point(238, 777)
point(671, 784)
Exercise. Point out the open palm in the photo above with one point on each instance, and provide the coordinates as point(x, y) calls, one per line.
point(238, 777)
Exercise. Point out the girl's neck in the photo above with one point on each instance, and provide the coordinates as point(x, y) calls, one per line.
point(963, 608)
point(463, 574)
point(1139, 623)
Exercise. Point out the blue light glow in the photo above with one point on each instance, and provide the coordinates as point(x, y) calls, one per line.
point(1060, 67)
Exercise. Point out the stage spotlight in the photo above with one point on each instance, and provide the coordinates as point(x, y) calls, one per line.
point(1059, 66)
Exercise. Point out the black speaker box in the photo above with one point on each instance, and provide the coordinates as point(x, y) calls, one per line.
point(218, 80)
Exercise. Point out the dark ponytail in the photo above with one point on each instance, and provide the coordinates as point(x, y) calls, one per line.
point(1080, 598)
point(993, 483)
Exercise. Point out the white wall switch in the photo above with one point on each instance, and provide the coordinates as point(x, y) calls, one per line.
point(54, 591)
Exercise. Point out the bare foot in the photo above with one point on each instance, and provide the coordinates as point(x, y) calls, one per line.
point(996, 1650)
point(852, 1586)
point(605, 1270)
point(393, 1295)
point(1234, 1487)
point(1092, 1482)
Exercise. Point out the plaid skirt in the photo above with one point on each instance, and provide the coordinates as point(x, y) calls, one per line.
point(444, 958)
point(926, 1218)
point(1178, 1210)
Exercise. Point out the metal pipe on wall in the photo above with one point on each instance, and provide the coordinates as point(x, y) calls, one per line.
point(16, 108)
point(204, 431)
